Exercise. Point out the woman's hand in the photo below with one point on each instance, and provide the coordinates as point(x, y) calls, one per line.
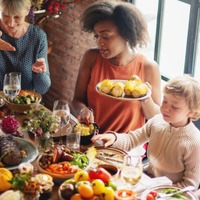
point(107, 138)
point(5, 46)
point(86, 115)
point(39, 66)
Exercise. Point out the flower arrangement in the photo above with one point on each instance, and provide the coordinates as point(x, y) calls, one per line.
point(42, 123)
point(52, 7)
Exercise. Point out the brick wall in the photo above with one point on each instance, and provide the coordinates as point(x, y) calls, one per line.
point(69, 45)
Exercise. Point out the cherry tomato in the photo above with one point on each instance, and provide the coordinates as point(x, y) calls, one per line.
point(150, 197)
point(154, 194)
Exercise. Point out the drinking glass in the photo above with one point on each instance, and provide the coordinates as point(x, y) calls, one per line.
point(131, 171)
point(11, 85)
point(73, 139)
point(61, 109)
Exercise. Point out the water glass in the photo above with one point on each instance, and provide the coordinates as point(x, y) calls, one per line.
point(73, 140)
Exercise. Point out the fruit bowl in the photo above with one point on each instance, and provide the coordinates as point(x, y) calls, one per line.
point(21, 107)
point(87, 131)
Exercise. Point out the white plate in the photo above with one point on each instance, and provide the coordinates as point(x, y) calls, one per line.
point(29, 148)
point(188, 195)
point(123, 98)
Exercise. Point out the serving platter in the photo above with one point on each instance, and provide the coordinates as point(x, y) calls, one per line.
point(109, 155)
point(124, 97)
point(186, 195)
point(29, 148)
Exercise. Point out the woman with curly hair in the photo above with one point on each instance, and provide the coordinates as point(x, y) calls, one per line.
point(119, 29)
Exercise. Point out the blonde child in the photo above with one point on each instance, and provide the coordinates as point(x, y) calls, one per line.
point(174, 141)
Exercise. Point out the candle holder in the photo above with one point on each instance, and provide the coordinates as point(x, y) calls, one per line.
point(125, 194)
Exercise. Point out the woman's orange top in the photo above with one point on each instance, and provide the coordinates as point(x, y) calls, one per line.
point(113, 114)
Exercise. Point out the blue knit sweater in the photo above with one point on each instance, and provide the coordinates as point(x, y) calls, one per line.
point(31, 46)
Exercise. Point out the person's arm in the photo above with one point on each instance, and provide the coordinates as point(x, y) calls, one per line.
point(80, 96)
point(123, 141)
point(41, 80)
point(151, 106)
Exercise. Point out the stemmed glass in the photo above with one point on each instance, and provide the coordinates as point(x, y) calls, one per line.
point(62, 110)
point(131, 171)
point(11, 85)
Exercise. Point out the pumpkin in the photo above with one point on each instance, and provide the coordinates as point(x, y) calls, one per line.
point(5, 177)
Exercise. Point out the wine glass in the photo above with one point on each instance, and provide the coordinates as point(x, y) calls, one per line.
point(131, 171)
point(62, 110)
point(11, 85)
point(86, 115)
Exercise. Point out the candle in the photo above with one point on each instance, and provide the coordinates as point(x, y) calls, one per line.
point(125, 194)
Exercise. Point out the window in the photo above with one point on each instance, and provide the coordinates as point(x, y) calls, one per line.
point(175, 35)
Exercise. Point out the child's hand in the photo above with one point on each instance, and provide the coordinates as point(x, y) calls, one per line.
point(107, 138)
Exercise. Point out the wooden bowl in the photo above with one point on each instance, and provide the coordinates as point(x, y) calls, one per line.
point(21, 108)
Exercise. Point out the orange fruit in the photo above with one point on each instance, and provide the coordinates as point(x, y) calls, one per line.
point(76, 197)
point(5, 176)
point(85, 190)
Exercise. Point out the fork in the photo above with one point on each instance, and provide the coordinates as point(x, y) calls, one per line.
point(163, 195)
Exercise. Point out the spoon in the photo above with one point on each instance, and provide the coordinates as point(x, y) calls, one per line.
point(163, 195)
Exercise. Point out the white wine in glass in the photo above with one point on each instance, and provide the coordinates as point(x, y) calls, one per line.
point(61, 109)
point(11, 85)
point(131, 171)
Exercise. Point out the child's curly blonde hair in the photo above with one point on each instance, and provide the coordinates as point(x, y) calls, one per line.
point(188, 88)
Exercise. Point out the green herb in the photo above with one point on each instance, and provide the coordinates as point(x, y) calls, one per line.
point(19, 179)
point(80, 160)
point(178, 195)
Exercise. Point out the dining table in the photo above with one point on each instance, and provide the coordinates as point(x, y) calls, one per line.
point(144, 183)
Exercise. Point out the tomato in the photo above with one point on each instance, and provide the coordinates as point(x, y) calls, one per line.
point(108, 194)
point(103, 174)
point(150, 197)
point(92, 174)
point(81, 176)
point(85, 191)
point(100, 173)
point(154, 194)
point(98, 186)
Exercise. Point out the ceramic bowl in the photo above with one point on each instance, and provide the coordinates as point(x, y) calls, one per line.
point(113, 170)
point(21, 108)
point(86, 139)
